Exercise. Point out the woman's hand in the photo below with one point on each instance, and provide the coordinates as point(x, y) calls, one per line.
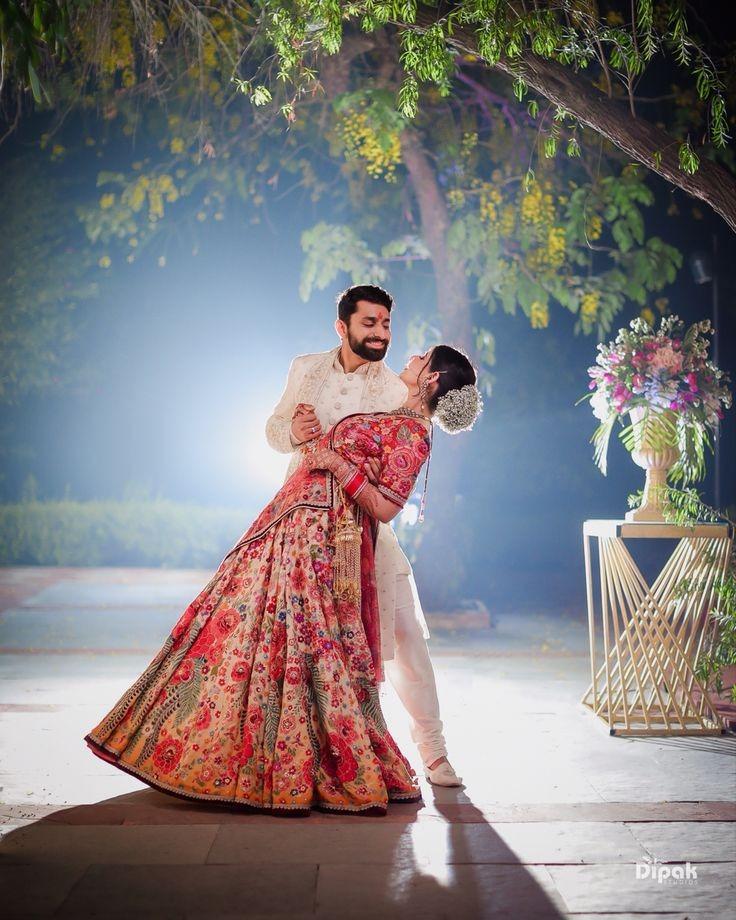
point(372, 469)
point(321, 459)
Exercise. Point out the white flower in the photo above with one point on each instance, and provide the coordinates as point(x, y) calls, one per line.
point(600, 405)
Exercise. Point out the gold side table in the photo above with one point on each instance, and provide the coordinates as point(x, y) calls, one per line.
point(651, 639)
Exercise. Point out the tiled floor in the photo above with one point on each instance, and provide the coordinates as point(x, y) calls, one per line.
point(556, 818)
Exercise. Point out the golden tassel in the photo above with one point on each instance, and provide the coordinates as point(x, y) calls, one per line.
point(346, 564)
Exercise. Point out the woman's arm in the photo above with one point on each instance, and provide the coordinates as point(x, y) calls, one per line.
point(355, 482)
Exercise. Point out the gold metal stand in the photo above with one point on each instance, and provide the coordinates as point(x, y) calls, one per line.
point(652, 639)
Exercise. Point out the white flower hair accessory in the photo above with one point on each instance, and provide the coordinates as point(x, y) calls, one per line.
point(458, 409)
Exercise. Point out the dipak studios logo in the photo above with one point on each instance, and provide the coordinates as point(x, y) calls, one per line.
point(654, 870)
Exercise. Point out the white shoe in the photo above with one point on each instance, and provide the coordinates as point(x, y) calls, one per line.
point(442, 775)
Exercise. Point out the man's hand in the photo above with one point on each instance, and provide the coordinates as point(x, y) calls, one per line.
point(372, 469)
point(305, 425)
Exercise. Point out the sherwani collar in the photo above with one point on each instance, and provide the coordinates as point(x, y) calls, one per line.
point(372, 368)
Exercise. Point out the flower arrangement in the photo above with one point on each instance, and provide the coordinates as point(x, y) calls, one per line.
point(675, 395)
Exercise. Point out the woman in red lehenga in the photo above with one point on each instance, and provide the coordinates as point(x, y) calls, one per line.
point(265, 692)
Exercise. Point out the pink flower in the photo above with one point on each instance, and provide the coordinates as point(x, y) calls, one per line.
point(665, 359)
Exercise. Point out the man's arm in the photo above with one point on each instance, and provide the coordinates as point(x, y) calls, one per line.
point(278, 426)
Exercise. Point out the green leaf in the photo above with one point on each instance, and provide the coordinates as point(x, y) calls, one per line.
point(35, 85)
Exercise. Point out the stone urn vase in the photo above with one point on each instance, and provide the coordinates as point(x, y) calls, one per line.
point(656, 460)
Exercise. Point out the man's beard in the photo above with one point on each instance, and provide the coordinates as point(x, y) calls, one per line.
point(365, 351)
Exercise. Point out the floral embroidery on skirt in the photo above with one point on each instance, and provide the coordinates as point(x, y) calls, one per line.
point(264, 694)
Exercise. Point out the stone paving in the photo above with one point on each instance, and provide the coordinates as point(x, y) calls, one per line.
point(554, 818)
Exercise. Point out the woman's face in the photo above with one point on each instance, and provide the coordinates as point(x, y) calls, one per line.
point(416, 366)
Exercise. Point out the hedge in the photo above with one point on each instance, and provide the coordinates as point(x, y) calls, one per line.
point(153, 532)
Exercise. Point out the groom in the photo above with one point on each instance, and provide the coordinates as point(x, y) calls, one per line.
point(320, 390)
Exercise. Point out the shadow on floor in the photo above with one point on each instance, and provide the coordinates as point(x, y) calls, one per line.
point(147, 854)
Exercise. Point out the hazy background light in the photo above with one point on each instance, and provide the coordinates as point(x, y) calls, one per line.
point(187, 361)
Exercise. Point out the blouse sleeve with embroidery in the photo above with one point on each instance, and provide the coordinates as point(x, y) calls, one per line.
point(404, 449)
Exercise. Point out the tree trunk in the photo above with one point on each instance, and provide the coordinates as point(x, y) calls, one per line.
point(453, 298)
point(637, 137)
point(440, 567)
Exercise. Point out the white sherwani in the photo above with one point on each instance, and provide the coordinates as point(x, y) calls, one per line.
point(320, 380)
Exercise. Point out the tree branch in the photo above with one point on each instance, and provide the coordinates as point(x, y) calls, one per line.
point(636, 137)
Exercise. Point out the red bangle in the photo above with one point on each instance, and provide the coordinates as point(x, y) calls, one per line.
point(355, 483)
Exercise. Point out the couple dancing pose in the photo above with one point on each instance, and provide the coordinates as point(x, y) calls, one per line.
point(266, 691)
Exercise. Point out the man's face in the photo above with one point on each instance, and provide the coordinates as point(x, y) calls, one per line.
point(369, 331)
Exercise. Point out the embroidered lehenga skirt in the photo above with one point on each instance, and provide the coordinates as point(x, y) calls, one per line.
point(265, 692)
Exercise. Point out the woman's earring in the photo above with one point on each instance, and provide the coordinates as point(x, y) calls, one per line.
point(423, 392)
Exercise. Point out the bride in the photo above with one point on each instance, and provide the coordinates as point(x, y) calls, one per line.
point(265, 693)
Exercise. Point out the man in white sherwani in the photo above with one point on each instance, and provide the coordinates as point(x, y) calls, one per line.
point(320, 390)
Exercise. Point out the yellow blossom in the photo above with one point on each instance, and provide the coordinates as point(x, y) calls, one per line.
point(508, 221)
point(537, 207)
point(594, 227)
point(556, 246)
point(105, 262)
point(107, 201)
point(155, 205)
point(177, 145)
point(362, 142)
point(490, 199)
point(589, 305)
point(648, 315)
point(539, 315)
